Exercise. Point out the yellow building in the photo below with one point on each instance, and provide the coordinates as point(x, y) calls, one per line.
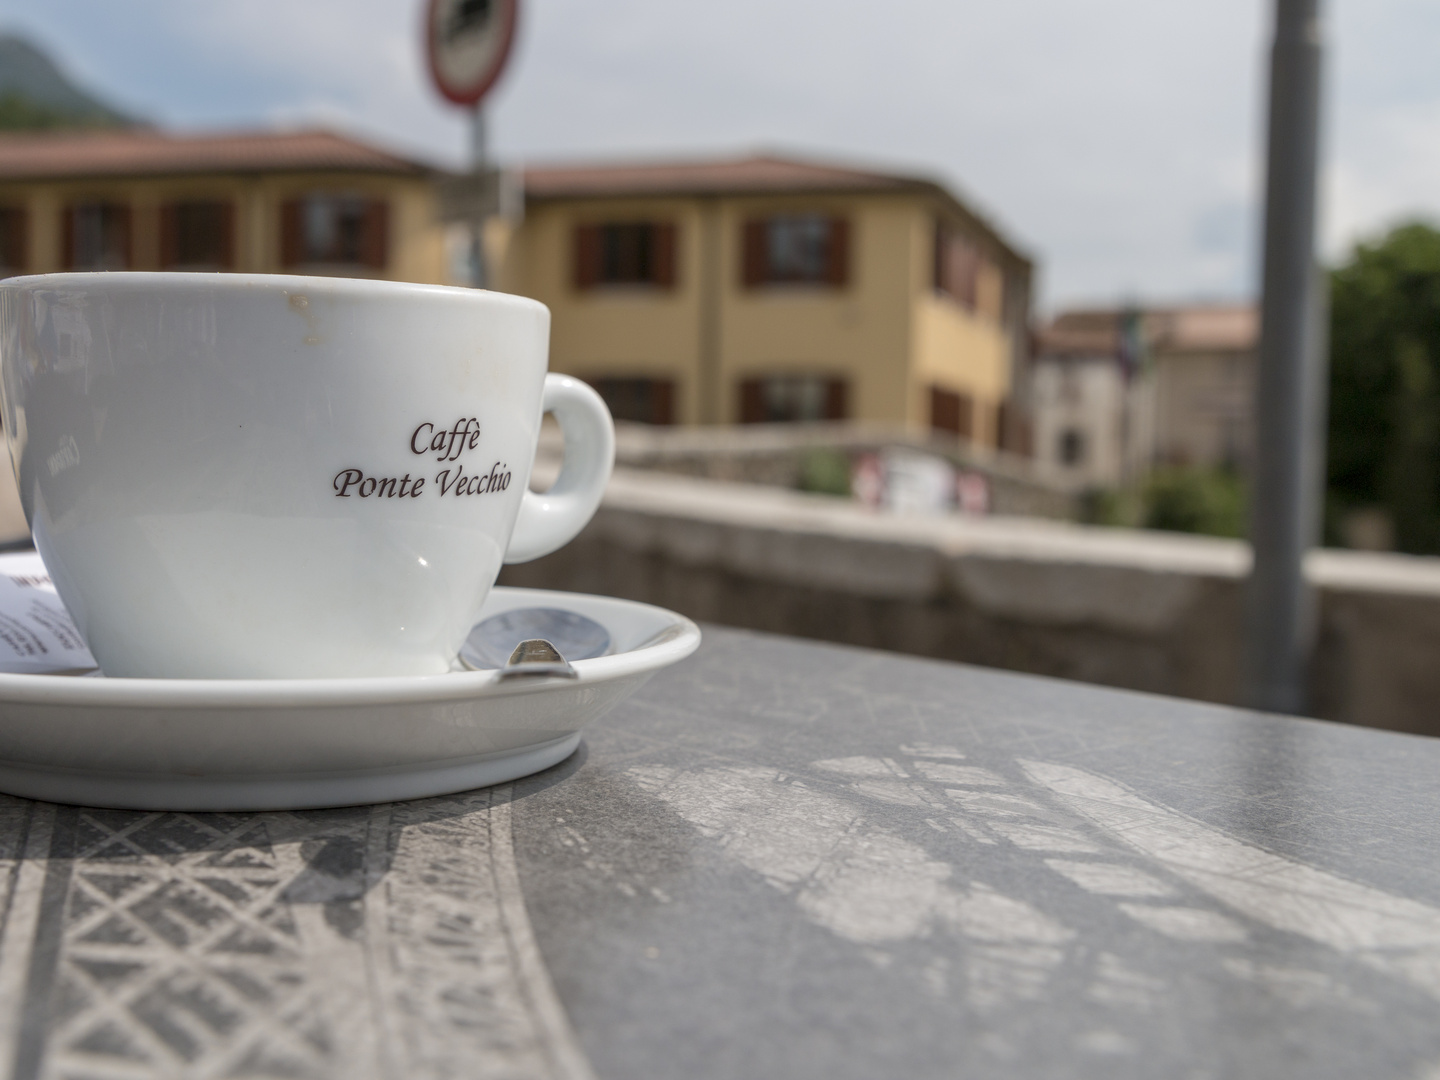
point(712, 292)
point(309, 202)
point(766, 289)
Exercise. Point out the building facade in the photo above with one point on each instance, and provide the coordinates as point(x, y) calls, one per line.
point(309, 202)
point(1204, 362)
point(752, 290)
point(1084, 398)
point(768, 290)
point(1115, 393)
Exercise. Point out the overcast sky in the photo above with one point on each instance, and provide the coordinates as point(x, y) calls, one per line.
point(1114, 140)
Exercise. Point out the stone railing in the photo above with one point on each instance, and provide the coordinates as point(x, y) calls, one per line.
point(1148, 611)
point(774, 455)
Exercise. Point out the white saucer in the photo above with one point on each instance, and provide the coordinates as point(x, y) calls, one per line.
point(195, 744)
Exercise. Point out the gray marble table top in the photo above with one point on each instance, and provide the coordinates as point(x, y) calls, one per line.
point(781, 859)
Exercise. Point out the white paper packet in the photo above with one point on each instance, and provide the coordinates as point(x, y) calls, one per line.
point(37, 634)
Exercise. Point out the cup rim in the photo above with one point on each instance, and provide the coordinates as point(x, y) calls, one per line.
point(314, 284)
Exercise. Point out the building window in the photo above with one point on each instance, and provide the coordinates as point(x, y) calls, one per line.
point(641, 401)
point(780, 399)
point(197, 236)
point(957, 265)
point(951, 412)
point(625, 253)
point(1072, 447)
point(799, 249)
point(13, 240)
point(336, 230)
point(97, 236)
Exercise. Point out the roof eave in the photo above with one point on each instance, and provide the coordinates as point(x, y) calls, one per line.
point(417, 172)
point(715, 191)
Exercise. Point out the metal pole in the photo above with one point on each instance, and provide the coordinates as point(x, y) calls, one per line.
point(1290, 390)
point(478, 163)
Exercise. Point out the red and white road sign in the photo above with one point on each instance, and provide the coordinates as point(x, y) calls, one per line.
point(468, 42)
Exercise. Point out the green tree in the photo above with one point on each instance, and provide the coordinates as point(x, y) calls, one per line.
point(1384, 428)
point(1209, 501)
point(825, 472)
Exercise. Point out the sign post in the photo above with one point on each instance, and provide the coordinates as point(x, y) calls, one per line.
point(1290, 391)
point(468, 43)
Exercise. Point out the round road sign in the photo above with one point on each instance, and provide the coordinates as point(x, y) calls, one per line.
point(468, 41)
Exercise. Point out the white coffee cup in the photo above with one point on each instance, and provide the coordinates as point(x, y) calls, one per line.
point(255, 476)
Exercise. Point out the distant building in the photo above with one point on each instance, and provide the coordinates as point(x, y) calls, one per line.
point(766, 289)
point(1082, 398)
point(310, 202)
point(1116, 392)
point(1204, 361)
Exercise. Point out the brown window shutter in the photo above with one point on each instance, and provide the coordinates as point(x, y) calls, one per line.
point(662, 259)
point(965, 421)
point(587, 256)
point(944, 410)
point(957, 264)
point(67, 256)
point(752, 401)
point(756, 261)
point(663, 392)
point(939, 283)
point(123, 221)
point(837, 268)
point(836, 405)
point(375, 239)
point(169, 235)
point(22, 239)
point(291, 236)
point(17, 239)
point(227, 235)
point(965, 271)
point(945, 265)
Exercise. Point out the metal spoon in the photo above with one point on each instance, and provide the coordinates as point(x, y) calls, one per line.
point(537, 658)
point(492, 642)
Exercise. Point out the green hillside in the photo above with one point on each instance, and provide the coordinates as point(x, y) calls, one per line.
point(35, 95)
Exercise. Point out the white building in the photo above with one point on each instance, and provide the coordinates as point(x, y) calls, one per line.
point(1115, 393)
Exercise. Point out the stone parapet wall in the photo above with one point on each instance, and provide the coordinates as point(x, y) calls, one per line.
point(1142, 610)
point(773, 455)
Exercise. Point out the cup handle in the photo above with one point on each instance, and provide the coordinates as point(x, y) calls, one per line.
point(551, 520)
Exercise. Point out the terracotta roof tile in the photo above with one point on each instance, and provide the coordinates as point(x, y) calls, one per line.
point(1220, 328)
point(733, 176)
point(145, 152)
point(1081, 333)
point(1197, 328)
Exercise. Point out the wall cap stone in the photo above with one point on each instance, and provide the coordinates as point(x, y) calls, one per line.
point(959, 536)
